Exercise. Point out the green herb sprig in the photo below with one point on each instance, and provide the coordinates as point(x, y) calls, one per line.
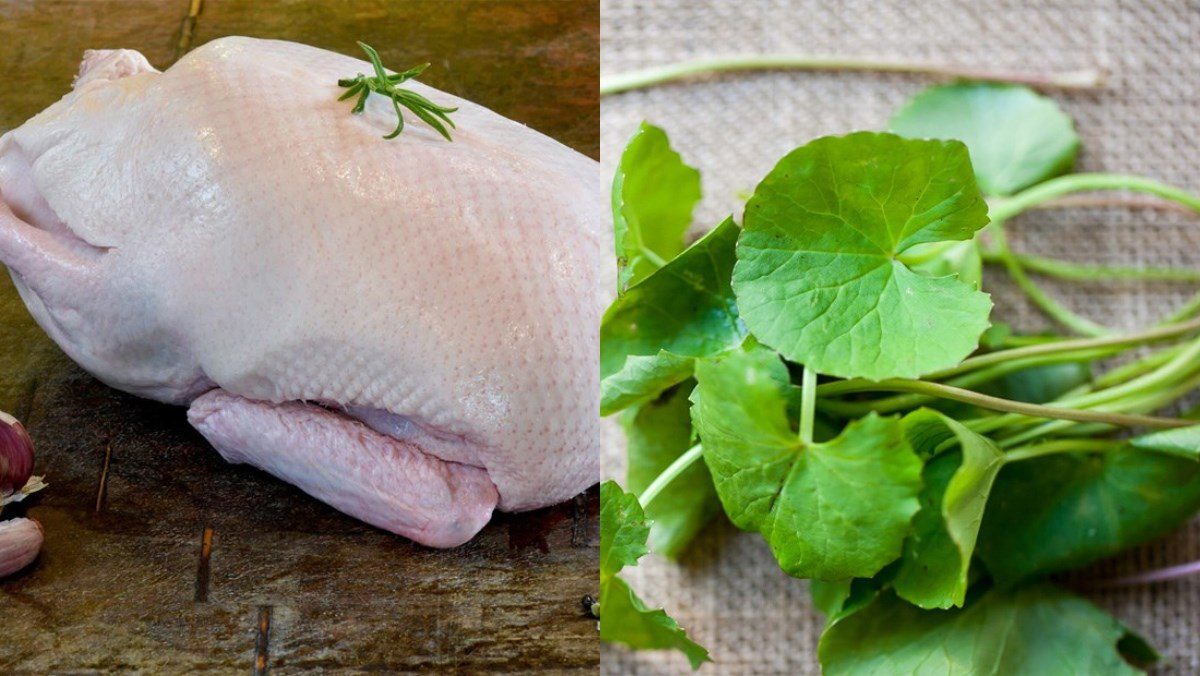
point(431, 113)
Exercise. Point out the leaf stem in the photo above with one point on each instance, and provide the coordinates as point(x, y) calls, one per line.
point(668, 475)
point(648, 77)
point(1146, 392)
point(1142, 401)
point(1057, 311)
point(1152, 576)
point(651, 256)
point(942, 391)
point(1188, 309)
point(1182, 364)
point(1061, 346)
point(1060, 446)
point(1136, 368)
point(1002, 209)
point(1077, 272)
point(1112, 202)
point(808, 404)
point(972, 379)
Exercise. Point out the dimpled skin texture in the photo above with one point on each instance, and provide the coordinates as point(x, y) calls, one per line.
point(229, 224)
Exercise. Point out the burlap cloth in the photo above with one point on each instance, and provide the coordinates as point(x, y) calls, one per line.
point(727, 590)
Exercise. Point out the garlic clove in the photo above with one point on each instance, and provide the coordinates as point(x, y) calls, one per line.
point(16, 455)
point(20, 542)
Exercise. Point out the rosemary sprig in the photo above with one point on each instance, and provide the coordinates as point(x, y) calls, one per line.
point(431, 113)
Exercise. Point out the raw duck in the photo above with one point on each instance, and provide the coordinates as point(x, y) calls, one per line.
point(406, 329)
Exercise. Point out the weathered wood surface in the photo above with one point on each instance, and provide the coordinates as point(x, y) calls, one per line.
point(126, 580)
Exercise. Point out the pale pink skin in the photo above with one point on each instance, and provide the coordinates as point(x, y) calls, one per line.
point(226, 235)
point(20, 542)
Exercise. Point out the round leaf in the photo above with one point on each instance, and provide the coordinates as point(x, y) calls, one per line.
point(818, 275)
point(831, 510)
point(1066, 510)
point(1038, 629)
point(1017, 137)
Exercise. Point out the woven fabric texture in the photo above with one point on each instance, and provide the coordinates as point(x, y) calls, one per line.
point(727, 591)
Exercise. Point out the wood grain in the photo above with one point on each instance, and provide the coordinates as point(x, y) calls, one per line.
point(160, 557)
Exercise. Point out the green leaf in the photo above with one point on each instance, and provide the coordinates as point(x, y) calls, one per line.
point(623, 530)
point(831, 510)
point(1062, 511)
point(839, 599)
point(958, 259)
point(937, 556)
point(1038, 629)
point(625, 618)
point(642, 378)
point(1183, 442)
point(659, 432)
point(653, 195)
point(650, 335)
point(818, 275)
point(996, 336)
point(1017, 138)
point(830, 596)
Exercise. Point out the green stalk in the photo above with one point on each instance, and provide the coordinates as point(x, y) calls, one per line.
point(1078, 272)
point(972, 379)
point(668, 475)
point(1136, 368)
point(1144, 402)
point(1060, 446)
point(1002, 209)
point(1181, 365)
point(1078, 344)
point(808, 405)
point(651, 255)
point(999, 404)
point(1026, 341)
point(996, 364)
point(1188, 309)
point(1143, 393)
point(1057, 311)
point(612, 84)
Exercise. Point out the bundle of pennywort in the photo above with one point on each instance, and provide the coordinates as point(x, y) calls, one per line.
point(825, 374)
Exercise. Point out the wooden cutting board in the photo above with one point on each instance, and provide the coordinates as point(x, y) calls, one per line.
point(162, 558)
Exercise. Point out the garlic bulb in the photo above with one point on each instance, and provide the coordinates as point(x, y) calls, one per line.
point(20, 542)
point(16, 455)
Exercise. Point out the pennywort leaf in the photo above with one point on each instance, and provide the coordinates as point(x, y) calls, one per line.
point(641, 378)
point(1016, 137)
point(623, 530)
point(653, 196)
point(819, 275)
point(658, 432)
point(839, 599)
point(831, 510)
point(1062, 511)
point(1183, 442)
point(950, 259)
point(934, 569)
point(1038, 629)
point(625, 618)
point(650, 335)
